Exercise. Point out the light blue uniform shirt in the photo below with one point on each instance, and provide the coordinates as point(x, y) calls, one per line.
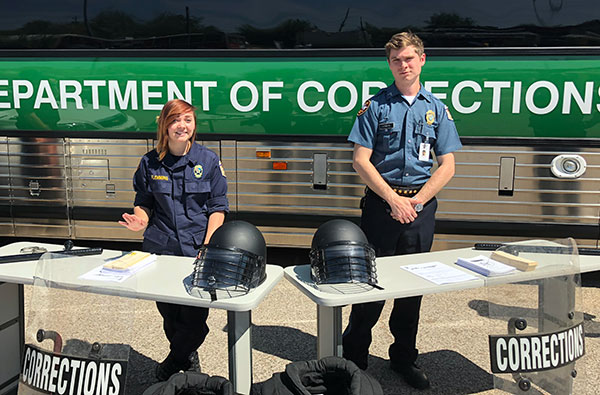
point(395, 130)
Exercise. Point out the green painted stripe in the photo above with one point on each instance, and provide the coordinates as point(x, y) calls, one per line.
point(535, 97)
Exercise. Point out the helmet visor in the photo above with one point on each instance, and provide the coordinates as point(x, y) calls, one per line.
point(343, 263)
point(227, 269)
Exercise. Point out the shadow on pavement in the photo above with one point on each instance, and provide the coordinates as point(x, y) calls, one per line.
point(284, 342)
point(448, 371)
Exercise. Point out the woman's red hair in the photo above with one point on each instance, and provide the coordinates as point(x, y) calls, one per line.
point(171, 110)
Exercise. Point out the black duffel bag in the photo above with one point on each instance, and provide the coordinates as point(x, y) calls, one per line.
point(330, 375)
point(192, 383)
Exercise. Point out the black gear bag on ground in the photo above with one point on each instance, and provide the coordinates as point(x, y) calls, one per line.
point(330, 375)
point(192, 383)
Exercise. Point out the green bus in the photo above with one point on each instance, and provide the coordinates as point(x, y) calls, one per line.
point(277, 87)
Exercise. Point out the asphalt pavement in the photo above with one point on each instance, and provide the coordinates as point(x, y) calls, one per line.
point(452, 339)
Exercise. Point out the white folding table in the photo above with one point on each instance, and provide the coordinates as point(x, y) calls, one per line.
point(399, 283)
point(161, 281)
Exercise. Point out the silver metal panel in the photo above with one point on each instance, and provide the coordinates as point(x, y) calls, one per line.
point(104, 230)
point(538, 196)
point(229, 161)
point(287, 236)
point(39, 179)
point(97, 173)
point(6, 221)
point(102, 172)
point(261, 188)
point(226, 150)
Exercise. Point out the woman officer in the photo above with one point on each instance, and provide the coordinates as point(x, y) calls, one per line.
point(180, 201)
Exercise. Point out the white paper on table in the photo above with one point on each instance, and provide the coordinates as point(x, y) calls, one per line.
point(438, 273)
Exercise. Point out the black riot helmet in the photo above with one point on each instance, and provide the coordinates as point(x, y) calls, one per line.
point(341, 253)
point(234, 261)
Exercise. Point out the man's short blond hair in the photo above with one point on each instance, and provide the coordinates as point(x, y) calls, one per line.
point(403, 40)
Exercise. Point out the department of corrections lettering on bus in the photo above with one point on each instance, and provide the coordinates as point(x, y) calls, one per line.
point(245, 96)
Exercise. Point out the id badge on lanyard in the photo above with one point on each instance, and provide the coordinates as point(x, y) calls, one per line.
point(424, 149)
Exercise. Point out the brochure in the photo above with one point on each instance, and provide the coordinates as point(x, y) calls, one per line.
point(485, 266)
point(438, 273)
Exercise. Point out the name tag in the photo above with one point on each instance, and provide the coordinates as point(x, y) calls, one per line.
point(386, 126)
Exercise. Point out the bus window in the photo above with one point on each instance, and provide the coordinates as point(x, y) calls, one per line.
point(295, 24)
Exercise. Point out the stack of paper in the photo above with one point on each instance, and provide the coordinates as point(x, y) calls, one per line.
point(485, 266)
point(129, 263)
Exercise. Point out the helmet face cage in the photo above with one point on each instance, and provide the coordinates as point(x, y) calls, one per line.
point(343, 262)
point(231, 269)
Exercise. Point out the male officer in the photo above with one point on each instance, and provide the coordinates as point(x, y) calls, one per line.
point(393, 136)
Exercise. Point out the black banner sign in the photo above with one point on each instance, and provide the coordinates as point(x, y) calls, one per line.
point(50, 373)
point(532, 353)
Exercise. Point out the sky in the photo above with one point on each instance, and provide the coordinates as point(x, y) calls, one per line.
point(229, 14)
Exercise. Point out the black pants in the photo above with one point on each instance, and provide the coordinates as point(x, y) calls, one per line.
point(185, 328)
point(389, 237)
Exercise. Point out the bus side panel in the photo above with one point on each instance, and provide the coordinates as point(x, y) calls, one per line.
point(39, 186)
point(289, 189)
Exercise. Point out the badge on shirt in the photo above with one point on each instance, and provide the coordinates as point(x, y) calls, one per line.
point(448, 113)
point(364, 108)
point(424, 149)
point(222, 170)
point(198, 171)
point(386, 126)
point(430, 117)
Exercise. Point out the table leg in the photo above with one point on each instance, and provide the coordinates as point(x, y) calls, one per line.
point(240, 350)
point(329, 331)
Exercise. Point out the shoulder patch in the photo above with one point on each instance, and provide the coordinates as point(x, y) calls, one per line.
point(448, 114)
point(222, 170)
point(364, 108)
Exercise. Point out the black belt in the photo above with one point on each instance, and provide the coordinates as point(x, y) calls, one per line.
point(400, 190)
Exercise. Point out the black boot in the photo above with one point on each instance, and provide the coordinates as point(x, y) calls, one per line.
point(168, 367)
point(194, 363)
point(412, 375)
